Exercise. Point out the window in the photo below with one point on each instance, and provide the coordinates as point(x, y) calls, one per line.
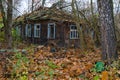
point(73, 32)
point(51, 31)
point(37, 28)
point(28, 30)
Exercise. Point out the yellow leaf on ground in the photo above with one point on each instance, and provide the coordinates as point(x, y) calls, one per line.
point(104, 75)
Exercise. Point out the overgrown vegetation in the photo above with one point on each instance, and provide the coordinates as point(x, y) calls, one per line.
point(1, 33)
point(16, 37)
point(1, 24)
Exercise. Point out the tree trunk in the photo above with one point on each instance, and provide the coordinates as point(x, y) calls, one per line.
point(7, 21)
point(9, 24)
point(107, 28)
point(4, 18)
point(77, 21)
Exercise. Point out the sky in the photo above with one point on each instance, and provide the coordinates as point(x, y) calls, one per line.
point(24, 5)
point(23, 8)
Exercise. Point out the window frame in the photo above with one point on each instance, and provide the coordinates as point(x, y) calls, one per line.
point(49, 31)
point(74, 32)
point(28, 30)
point(35, 31)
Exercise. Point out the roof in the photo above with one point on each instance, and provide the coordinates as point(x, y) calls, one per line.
point(45, 13)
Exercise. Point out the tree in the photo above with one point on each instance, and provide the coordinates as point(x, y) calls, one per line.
point(107, 28)
point(7, 20)
point(77, 20)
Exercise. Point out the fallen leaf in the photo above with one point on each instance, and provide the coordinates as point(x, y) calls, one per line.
point(104, 75)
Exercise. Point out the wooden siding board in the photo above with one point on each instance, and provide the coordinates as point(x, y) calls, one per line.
point(62, 34)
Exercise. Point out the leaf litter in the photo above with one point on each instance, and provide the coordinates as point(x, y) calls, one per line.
point(63, 64)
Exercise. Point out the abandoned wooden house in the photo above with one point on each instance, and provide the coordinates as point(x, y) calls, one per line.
point(48, 25)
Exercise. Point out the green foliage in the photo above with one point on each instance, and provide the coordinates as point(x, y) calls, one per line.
point(1, 24)
point(18, 64)
point(46, 70)
point(38, 73)
point(82, 76)
point(20, 67)
point(18, 55)
point(99, 66)
point(21, 56)
point(51, 64)
point(24, 77)
point(20, 60)
point(1, 36)
point(16, 36)
point(51, 73)
point(1, 33)
point(96, 78)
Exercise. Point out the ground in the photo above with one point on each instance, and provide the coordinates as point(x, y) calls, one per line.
point(49, 63)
